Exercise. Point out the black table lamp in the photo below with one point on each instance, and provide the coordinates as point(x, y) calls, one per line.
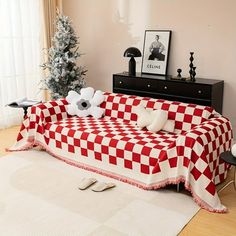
point(132, 52)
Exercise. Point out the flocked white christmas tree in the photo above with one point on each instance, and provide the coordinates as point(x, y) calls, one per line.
point(63, 72)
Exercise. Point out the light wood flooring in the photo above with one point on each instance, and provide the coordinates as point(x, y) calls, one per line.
point(204, 223)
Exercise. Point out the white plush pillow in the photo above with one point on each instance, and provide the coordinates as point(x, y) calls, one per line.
point(169, 126)
point(86, 103)
point(159, 118)
point(154, 121)
point(144, 117)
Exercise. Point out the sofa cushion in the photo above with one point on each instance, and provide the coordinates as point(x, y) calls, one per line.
point(112, 141)
point(185, 115)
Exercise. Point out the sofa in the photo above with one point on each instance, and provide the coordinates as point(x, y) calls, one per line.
point(116, 147)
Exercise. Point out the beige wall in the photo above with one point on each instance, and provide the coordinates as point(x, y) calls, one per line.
point(207, 27)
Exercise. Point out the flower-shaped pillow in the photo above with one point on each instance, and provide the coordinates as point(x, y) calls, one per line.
point(86, 103)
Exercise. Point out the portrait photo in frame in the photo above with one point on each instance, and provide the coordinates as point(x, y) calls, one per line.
point(156, 51)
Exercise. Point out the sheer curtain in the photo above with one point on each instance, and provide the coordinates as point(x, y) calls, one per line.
point(21, 52)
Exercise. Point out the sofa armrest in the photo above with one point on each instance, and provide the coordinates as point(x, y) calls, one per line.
point(49, 111)
point(43, 113)
point(34, 123)
point(215, 133)
point(196, 152)
point(204, 144)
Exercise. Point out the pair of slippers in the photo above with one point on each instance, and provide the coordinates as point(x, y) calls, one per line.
point(98, 187)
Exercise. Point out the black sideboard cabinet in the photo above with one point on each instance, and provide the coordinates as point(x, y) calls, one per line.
point(207, 92)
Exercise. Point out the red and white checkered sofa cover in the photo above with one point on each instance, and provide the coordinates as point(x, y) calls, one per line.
point(116, 147)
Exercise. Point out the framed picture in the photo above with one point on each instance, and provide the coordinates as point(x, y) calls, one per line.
point(156, 51)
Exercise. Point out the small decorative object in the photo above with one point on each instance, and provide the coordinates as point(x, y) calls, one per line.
point(179, 76)
point(86, 103)
point(179, 73)
point(64, 74)
point(132, 52)
point(154, 121)
point(193, 73)
point(192, 70)
point(233, 150)
point(156, 51)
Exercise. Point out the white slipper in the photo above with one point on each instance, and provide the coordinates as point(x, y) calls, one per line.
point(99, 187)
point(86, 182)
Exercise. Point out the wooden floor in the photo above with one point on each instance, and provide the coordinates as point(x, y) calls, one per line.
point(7, 138)
point(204, 223)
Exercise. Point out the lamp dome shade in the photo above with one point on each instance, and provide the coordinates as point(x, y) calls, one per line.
point(132, 52)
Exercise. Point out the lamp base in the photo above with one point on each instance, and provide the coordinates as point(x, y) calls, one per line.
point(132, 66)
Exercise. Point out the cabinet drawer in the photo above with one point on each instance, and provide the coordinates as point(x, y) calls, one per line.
point(185, 89)
point(120, 82)
point(147, 85)
point(135, 84)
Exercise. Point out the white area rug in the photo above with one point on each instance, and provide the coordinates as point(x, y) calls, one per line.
point(39, 196)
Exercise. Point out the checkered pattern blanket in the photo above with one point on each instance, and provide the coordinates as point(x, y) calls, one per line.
point(116, 147)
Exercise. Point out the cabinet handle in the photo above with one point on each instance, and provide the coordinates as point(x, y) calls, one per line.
point(149, 85)
point(165, 87)
point(120, 82)
point(199, 91)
